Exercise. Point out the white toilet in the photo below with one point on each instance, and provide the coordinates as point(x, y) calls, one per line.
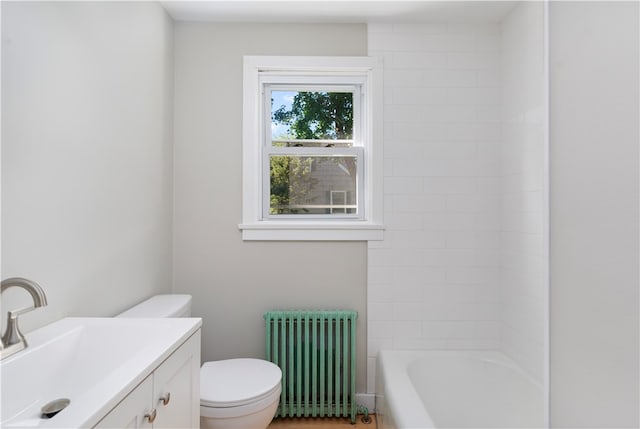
point(234, 393)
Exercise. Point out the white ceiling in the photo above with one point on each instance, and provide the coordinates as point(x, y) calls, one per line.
point(338, 11)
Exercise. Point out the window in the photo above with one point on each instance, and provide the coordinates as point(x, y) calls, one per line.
point(313, 153)
point(311, 149)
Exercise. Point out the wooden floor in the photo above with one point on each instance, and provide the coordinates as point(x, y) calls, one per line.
point(325, 423)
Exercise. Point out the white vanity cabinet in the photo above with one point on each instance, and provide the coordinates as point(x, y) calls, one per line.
point(169, 397)
point(130, 413)
point(176, 388)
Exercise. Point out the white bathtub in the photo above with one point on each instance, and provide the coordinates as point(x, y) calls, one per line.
point(455, 389)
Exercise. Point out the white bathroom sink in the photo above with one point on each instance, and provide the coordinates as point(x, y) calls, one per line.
point(93, 362)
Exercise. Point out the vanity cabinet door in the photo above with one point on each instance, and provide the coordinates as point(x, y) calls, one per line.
point(130, 413)
point(168, 398)
point(177, 388)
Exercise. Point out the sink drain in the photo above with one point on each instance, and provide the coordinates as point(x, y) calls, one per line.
point(54, 407)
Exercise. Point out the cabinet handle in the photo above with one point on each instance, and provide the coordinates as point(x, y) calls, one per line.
point(151, 416)
point(166, 398)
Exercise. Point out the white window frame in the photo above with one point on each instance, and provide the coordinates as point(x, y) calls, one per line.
point(262, 72)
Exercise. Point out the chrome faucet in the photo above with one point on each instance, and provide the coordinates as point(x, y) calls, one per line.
point(12, 340)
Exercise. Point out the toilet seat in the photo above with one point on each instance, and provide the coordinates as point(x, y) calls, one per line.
point(238, 382)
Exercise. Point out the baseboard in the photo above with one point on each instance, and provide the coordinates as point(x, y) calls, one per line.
point(366, 400)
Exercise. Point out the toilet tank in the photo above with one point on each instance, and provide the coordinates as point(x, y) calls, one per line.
point(161, 306)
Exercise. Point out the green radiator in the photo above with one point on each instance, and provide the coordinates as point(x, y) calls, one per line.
point(316, 351)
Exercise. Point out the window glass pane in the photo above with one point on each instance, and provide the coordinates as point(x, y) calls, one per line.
point(313, 185)
point(311, 119)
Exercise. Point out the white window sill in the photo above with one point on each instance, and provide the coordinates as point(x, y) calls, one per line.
point(316, 231)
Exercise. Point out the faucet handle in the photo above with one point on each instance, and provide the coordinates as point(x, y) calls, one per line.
point(13, 314)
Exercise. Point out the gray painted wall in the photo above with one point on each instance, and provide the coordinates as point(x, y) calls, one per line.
point(86, 155)
point(594, 214)
point(234, 282)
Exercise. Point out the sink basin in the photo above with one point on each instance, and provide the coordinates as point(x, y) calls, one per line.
point(93, 362)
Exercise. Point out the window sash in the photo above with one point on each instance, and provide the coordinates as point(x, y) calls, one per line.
point(355, 152)
point(312, 142)
point(355, 146)
point(355, 89)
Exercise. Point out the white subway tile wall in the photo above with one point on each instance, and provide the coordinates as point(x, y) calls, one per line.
point(433, 281)
point(524, 295)
point(461, 265)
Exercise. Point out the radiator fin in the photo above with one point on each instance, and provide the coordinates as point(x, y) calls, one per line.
point(316, 351)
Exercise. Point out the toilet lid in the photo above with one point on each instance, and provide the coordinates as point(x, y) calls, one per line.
point(236, 382)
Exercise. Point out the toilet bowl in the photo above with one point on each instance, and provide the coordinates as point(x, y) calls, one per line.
point(234, 393)
point(227, 403)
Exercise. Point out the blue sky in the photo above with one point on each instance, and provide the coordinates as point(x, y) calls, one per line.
point(281, 98)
